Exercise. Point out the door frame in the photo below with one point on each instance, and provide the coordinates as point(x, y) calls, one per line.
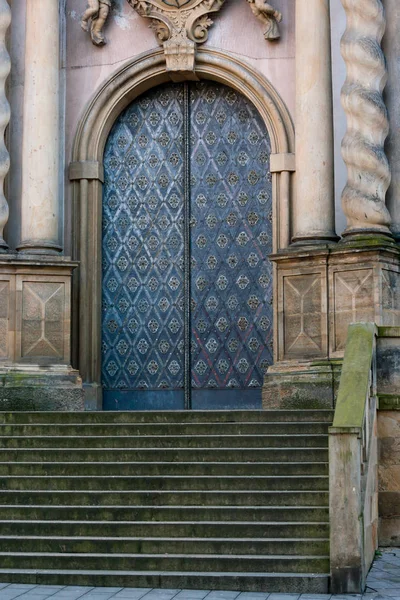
point(86, 172)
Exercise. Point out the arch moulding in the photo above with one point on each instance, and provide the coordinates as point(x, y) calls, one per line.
point(86, 172)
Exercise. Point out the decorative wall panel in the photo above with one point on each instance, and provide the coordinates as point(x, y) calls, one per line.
point(391, 298)
point(303, 315)
point(43, 310)
point(353, 301)
point(187, 230)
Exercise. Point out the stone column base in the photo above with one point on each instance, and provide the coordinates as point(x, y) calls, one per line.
point(320, 291)
point(35, 332)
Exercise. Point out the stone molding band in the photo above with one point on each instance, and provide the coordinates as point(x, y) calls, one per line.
point(282, 162)
point(87, 169)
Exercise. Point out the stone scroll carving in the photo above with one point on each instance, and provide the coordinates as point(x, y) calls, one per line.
point(368, 178)
point(5, 65)
point(179, 25)
point(269, 17)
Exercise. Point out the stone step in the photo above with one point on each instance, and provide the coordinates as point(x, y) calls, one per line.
point(171, 482)
point(297, 583)
point(155, 429)
point(149, 529)
point(162, 562)
point(155, 514)
point(172, 498)
point(163, 468)
point(226, 547)
point(202, 499)
point(102, 455)
point(177, 416)
point(168, 441)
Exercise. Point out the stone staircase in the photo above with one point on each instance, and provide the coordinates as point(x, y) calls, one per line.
point(201, 499)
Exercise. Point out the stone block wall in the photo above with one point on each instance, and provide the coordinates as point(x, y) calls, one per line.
point(389, 477)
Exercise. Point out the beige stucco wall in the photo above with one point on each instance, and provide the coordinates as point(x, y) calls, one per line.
point(235, 30)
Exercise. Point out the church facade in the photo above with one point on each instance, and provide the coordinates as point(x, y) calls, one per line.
point(200, 196)
point(168, 240)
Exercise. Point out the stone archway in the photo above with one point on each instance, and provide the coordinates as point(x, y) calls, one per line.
point(86, 171)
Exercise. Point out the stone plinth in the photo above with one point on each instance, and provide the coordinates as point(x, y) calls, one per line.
point(35, 331)
point(319, 293)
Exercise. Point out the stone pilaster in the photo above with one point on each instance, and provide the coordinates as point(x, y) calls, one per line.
point(40, 210)
point(314, 210)
point(368, 173)
point(5, 65)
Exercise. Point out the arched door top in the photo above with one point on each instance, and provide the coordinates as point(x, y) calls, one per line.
point(148, 70)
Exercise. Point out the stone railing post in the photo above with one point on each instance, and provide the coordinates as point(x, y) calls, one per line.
point(5, 65)
point(40, 208)
point(353, 490)
point(314, 207)
point(368, 173)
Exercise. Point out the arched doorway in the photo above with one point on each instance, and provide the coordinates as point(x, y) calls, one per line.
point(187, 230)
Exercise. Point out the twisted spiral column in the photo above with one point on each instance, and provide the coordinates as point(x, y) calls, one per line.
point(5, 65)
point(368, 172)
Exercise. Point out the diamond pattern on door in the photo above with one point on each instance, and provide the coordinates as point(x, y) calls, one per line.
point(229, 204)
point(142, 337)
point(231, 238)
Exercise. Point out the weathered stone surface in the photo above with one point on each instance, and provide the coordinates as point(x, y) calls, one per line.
point(43, 390)
point(389, 476)
point(293, 385)
point(363, 198)
point(388, 361)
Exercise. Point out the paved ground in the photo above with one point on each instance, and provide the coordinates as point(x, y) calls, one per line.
point(383, 584)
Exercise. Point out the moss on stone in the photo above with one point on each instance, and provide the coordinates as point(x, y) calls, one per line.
point(355, 378)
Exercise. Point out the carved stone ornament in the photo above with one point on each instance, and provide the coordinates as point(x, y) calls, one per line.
point(269, 17)
point(94, 18)
point(179, 25)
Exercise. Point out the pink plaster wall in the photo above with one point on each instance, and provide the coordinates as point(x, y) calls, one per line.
point(235, 30)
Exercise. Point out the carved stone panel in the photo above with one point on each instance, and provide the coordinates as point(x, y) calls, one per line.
point(42, 313)
point(303, 315)
point(43, 322)
point(390, 298)
point(353, 301)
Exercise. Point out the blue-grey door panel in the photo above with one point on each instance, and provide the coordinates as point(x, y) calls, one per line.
point(185, 154)
point(231, 237)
